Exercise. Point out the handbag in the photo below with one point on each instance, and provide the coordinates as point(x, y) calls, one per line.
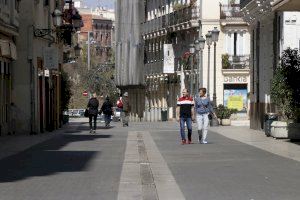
point(86, 113)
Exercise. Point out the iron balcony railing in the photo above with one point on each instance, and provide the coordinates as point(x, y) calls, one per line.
point(235, 61)
point(243, 3)
point(177, 17)
point(230, 11)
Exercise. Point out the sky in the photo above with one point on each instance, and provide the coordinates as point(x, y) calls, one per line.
point(104, 3)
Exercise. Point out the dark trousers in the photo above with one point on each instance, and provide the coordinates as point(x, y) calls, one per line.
point(91, 117)
point(107, 119)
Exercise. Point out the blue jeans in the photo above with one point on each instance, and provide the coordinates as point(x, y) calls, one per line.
point(188, 122)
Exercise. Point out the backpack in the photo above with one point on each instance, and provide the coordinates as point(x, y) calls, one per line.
point(119, 103)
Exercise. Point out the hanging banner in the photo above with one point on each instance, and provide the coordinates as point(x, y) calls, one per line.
point(169, 59)
point(51, 58)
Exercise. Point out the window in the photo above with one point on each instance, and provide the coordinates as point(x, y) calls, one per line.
point(46, 2)
point(17, 4)
point(235, 44)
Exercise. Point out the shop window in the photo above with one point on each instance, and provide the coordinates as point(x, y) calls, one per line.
point(235, 96)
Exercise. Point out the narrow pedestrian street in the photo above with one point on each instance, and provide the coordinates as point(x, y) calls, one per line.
point(146, 161)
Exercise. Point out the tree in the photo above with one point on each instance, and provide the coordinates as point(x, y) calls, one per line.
point(285, 91)
point(65, 91)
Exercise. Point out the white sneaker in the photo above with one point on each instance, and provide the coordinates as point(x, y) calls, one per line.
point(204, 142)
point(91, 131)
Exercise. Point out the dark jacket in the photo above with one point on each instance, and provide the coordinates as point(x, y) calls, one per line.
point(107, 108)
point(126, 106)
point(93, 106)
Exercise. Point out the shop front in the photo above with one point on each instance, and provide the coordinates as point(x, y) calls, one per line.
point(7, 55)
point(236, 89)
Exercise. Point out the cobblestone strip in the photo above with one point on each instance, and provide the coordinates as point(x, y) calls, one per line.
point(130, 187)
point(166, 185)
point(145, 174)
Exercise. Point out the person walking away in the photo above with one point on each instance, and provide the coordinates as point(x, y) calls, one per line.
point(125, 110)
point(185, 115)
point(107, 109)
point(203, 108)
point(93, 106)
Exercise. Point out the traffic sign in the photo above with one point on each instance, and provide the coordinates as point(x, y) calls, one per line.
point(85, 93)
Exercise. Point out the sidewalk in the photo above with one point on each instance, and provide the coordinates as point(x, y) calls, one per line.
point(281, 147)
point(13, 144)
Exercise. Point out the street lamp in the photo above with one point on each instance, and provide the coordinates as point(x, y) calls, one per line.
point(209, 43)
point(215, 34)
point(76, 20)
point(215, 38)
point(77, 50)
point(192, 51)
point(57, 17)
point(199, 46)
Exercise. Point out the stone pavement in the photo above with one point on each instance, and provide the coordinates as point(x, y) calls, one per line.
point(146, 161)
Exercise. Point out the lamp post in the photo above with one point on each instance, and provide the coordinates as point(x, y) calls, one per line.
point(90, 40)
point(77, 50)
point(209, 43)
point(199, 46)
point(215, 37)
point(192, 51)
point(57, 17)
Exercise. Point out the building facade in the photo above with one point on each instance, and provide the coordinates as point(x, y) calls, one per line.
point(36, 90)
point(272, 30)
point(31, 81)
point(129, 75)
point(102, 35)
point(177, 24)
point(235, 58)
point(9, 31)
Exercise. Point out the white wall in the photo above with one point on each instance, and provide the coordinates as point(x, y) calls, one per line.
point(291, 30)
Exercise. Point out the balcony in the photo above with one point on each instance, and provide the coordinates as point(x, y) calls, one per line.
point(230, 11)
point(175, 18)
point(244, 3)
point(235, 62)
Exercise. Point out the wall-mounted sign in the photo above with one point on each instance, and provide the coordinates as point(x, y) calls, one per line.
point(169, 59)
point(235, 79)
point(50, 58)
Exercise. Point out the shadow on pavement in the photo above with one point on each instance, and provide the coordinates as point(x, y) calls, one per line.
point(85, 128)
point(46, 159)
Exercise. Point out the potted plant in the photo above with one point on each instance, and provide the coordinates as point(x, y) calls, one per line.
point(285, 93)
point(178, 6)
point(225, 61)
point(224, 114)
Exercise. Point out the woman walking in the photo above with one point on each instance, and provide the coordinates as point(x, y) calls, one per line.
point(107, 109)
point(93, 106)
point(203, 108)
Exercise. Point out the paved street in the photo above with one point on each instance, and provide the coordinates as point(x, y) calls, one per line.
point(146, 161)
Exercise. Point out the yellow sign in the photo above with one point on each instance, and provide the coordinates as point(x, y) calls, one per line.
point(235, 102)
